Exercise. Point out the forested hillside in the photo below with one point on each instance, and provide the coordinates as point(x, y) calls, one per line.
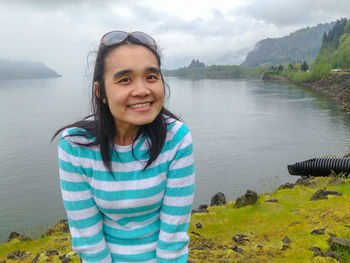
point(301, 45)
point(335, 49)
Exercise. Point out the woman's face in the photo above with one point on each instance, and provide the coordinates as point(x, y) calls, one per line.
point(134, 87)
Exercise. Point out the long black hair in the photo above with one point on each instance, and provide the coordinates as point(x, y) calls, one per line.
point(100, 124)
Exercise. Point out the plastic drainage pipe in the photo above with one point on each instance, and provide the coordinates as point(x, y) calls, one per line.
point(320, 166)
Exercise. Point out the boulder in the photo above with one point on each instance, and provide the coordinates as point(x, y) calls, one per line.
point(272, 200)
point(201, 209)
point(60, 228)
point(240, 239)
point(336, 243)
point(322, 194)
point(15, 235)
point(249, 198)
point(319, 231)
point(286, 240)
point(218, 199)
point(286, 186)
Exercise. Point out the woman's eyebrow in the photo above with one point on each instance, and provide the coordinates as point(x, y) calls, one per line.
point(121, 73)
point(153, 70)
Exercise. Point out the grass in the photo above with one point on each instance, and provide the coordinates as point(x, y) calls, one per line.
point(264, 224)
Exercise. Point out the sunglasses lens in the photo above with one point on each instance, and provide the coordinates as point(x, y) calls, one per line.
point(113, 38)
point(145, 39)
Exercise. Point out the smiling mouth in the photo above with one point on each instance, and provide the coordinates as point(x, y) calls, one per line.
point(140, 105)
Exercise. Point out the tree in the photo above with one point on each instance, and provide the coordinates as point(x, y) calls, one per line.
point(304, 66)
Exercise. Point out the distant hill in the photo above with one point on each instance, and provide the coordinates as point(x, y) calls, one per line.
point(25, 70)
point(301, 45)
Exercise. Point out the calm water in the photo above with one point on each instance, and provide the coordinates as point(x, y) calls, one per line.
point(245, 133)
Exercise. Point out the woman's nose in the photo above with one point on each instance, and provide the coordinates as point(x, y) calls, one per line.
point(140, 89)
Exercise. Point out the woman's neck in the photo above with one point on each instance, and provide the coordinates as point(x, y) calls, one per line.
point(126, 134)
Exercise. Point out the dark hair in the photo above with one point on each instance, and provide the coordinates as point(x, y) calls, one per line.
point(100, 124)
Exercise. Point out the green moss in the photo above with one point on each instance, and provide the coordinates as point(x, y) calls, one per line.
point(266, 224)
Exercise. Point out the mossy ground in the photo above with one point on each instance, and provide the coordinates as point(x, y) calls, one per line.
point(265, 224)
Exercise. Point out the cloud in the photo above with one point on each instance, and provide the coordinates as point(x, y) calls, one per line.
point(62, 33)
point(297, 12)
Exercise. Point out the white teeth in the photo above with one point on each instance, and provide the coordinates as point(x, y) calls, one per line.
point(136, 106)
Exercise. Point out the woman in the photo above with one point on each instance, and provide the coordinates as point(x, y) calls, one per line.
point(126, 171)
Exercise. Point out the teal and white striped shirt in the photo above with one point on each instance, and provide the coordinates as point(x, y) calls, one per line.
point(143, 216)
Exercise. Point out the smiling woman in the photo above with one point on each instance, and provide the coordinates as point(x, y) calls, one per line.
point(126, 171)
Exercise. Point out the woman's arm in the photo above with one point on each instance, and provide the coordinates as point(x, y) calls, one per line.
point(84, 219)
point(176, 208)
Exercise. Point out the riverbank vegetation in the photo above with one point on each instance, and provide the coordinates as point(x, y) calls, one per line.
point(218, 71)
point(283, 226)
point(334, 56)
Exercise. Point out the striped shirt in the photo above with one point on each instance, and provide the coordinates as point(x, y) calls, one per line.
point(142, 215)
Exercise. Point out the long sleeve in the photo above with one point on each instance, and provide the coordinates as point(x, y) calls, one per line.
point(176, 207)
point(84, 218)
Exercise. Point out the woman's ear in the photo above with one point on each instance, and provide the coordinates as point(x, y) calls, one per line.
point(97, 92)
point(97, 89)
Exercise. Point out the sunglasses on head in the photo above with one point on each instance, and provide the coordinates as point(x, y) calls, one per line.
point(116, 37)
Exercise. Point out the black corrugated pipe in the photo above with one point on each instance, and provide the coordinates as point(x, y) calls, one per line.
point(320, 166)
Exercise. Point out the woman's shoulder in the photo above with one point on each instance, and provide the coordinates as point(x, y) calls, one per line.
point(176, 129)
point(80, 134)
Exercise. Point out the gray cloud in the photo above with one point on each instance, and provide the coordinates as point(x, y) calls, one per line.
point(61, 33)
point(297, 12)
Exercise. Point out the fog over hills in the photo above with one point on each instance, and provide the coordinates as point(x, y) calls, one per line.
point(25, 70)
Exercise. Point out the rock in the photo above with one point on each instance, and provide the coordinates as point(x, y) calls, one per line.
point(249, 198)
point(286, 240)
point(284, 247)
point(305, 180)
point(322, 194)
point(294, 223)
point(201, 209)
point(195, 233)
point(60, 228)
point(286, 186)
point(218, 199)
point(259, 246)
point(15, 235)
point(237, 249)
point(62, 239)
point(51, 253)
point(336, 243)
point(36, 258)
point(330, 254)
point(65, 260)
point(17, 255)
point(315, 249)
point(272, 200)
point(199, 225)
point(240, 239)
point(295, 210)
point(319, 231)
point(335, 181)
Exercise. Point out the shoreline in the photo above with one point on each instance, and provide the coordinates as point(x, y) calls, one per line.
point(336, 85)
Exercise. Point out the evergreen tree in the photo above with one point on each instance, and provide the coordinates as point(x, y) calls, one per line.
point(304, 66)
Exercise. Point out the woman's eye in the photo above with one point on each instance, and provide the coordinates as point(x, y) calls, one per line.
point(152, 77)
point(125, 80)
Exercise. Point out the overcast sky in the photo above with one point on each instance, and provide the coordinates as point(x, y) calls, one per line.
point(62, 33)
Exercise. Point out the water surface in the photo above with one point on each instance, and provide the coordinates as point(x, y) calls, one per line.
point(245, 132)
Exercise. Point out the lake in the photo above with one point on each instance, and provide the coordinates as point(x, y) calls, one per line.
point(245, 132)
